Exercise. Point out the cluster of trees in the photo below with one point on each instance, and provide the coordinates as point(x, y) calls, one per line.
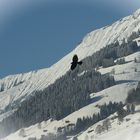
point(68, 94)
point(85, 122)
point(107, 62)
point(133, 36)
point(82, 124)
point(132, 99)
point(120, 61)
point(104, 127)
point(134, 95)
point(50, 136)
point(130, 108)
point(105, 111)
point(121, 114)
point(124, 112)
point(106, 56)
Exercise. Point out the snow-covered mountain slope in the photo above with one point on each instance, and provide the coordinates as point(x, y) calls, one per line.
point(129, 129)
point(115, 93)
point(125, 72)
point(17, 88)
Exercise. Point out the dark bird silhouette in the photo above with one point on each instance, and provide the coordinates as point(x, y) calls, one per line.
point(75, 62)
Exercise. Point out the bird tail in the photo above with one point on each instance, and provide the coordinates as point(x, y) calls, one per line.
point(80, 63)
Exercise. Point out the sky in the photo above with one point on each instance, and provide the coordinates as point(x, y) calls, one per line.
point(36, 34)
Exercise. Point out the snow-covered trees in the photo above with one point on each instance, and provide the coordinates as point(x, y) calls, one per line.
point(128, 109)
point(120, 61)
point(104, 127)
point(99, 129)
point(105, 111)
point(134, 95)
point(70, 92)
point(106, 56)
point(66, 95)
point(121, 114)
point(133, 36)
point(106, 124)
point(51, 136)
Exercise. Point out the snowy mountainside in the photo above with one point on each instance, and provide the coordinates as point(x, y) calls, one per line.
point(115, 93)
point(125, 72)
point(18, 87)
point(129, 129)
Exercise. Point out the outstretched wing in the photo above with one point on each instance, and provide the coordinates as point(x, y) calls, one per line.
point(75, 59)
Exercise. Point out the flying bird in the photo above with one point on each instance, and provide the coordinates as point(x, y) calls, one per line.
point(75, 62)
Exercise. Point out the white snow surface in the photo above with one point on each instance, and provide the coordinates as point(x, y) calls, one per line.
point(129, 129)
point(115, 93)
point(20, 86)
point(16, 88)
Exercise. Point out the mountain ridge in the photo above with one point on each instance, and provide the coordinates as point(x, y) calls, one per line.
point(18, 88)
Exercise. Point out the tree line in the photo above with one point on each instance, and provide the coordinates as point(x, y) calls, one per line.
point(69, 93)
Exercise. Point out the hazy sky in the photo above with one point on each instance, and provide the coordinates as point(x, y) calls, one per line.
point(35, 34)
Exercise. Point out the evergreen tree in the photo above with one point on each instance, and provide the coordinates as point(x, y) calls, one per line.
point(128, 108)
point(106, 124)
point(79, 124)
point(132, 108)
point(98, 129)
point(135, 60)
point(121, 114)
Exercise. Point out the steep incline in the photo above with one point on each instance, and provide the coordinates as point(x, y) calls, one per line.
point(18, 87)
point(115, 93)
